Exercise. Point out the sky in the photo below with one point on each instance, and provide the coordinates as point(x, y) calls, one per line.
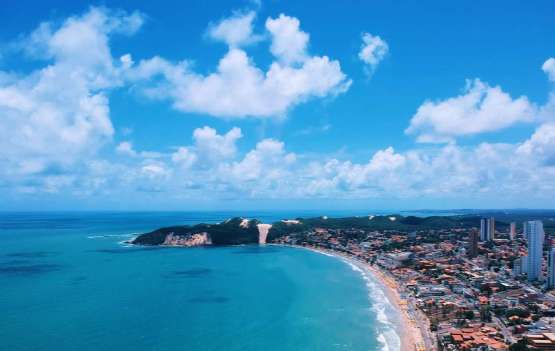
point(250, 105)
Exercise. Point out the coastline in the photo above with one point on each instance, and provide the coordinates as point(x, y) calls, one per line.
point(409, 334)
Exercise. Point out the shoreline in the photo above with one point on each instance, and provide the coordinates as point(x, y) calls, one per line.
point(409, 334)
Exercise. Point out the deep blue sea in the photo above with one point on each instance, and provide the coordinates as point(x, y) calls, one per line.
point(68, 283)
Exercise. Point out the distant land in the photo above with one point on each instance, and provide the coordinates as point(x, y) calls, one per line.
point(240, 231)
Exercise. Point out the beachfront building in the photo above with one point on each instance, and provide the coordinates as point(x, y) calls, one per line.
point(535, 236)
point(394, 260)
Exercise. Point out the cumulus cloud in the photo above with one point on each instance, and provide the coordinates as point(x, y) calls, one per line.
point(288, 40)
point(372, 51)
point(238, 88)
point(549, 68)
point(184, 157)
point(211, 166)
point(480, 108)
point(126, 148)
point(213, 147)
point(268, 160)
point(541, 144)
point(55, 115)
point(236, 30)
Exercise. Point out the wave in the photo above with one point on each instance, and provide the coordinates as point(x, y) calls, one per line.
point(382, 307)
point(104, 236)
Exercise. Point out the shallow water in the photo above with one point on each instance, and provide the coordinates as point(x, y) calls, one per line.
point(67, 283)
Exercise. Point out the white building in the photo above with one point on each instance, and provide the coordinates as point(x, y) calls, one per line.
point(534, 234)
point(487, 229)
point(512, 231)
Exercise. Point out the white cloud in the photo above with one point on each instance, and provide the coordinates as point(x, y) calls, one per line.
point(372, 51)
point(126, 60)
point(236, 30)
point(549, 68)
point(213, 147)
point(541, 144)
point(268, 160)
point(481, 108)
point(154, 170)
point(212, 166)
point(289, 42)
point(238, 88)
point(184, 157)
point(126, 148)
point(56, 115)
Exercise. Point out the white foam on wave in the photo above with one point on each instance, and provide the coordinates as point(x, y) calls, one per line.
point(320, 252)
point(385, 339)
point(354, 267)
point(382, 307)
point(112, 236)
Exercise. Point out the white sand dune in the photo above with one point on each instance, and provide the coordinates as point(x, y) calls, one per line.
point(263, 230)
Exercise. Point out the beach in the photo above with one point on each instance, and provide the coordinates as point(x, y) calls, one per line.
point(410, 335)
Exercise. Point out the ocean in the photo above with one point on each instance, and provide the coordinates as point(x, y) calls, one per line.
point(67, 282)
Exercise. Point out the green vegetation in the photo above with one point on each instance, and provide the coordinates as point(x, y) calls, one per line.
point(231, 232)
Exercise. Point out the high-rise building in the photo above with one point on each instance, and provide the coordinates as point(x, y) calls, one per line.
point(535, 235)
point(491, 229)
point(512, 231)
point(551, 269)
point(473, 244)
point(483, 229)
point(487, 229)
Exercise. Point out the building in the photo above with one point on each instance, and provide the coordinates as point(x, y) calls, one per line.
point(535, 236)
point(394, 260)
point(517, 267)
point(512, 231)
point(473, 244)
point(483, 229)
point(524, 264)
point(487, 229)
point(491, 229)
point(544, 341)
point(551, 269)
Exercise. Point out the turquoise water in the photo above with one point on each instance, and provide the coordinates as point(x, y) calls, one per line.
point(67, 283)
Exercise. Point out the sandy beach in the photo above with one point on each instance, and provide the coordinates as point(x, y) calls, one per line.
point(409, 334)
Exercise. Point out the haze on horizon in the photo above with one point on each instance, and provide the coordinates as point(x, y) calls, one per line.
point(276, 105)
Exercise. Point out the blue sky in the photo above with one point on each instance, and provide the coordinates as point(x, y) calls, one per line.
point(379, 105)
